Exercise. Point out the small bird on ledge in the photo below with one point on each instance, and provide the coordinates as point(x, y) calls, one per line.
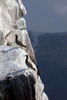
point(28, 63)
point(18, 42)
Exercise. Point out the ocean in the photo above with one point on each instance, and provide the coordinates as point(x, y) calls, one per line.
point(51, 54)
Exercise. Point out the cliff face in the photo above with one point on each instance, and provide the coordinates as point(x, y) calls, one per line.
point(17, 57)
point(13, 63)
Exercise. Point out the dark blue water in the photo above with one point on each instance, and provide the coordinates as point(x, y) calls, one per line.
point(51, 53)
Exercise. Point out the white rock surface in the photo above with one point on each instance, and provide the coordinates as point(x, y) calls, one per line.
point(12, 23)
point(13, 57)
point(21, 24)
point(23, 37)
point(2, 38)
point(44, 96)
point(13, 60)
point(10, 12)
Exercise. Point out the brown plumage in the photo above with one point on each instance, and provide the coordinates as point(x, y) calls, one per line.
point(18, 42)
point(28, 63)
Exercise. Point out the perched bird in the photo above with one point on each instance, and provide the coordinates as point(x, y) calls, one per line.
point(38, 72)
point(18, 42)
point(28, 63)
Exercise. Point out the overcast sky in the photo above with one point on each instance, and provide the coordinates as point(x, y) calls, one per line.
point(46, 15)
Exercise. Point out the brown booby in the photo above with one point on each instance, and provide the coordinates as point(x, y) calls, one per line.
point(18, 42)
point(28, 63)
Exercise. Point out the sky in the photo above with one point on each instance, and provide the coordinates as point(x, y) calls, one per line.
point(46, 15)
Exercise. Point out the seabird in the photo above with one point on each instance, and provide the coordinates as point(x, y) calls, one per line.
point(38, 72)
point(18, 42)
point(28, 63)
